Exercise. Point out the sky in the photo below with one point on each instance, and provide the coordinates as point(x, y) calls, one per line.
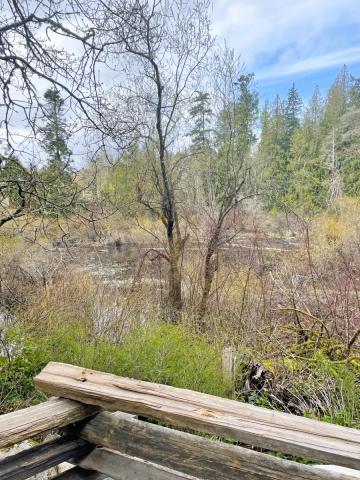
point(306, 41)
point(282, 41)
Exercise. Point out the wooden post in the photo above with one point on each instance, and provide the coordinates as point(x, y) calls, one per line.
point(229, 364)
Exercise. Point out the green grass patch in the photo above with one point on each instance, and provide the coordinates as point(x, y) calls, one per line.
point(162, 353)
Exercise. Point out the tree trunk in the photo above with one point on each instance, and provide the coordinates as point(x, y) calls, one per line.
point(175, 294)
point(176, 246)
point(210, 268)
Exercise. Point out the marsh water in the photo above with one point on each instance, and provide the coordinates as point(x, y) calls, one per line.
point(115, 264)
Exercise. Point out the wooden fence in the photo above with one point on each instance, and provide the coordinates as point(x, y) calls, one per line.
point(105, 429)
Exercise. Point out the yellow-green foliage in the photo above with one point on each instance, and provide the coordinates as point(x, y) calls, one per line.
point(7, 244)
point(339, 225)
point(344, 409)
point(173, 355)
point(317, 387)
point(160, 352)
point(128, 181)
point(68, 299)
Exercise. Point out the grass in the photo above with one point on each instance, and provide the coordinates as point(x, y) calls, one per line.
point(162, 353)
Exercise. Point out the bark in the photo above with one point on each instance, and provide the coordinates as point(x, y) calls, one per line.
point(210, 268)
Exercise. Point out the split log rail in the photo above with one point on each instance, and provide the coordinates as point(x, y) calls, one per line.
point(105, 428)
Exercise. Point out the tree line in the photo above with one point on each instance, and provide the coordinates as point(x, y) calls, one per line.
point(303, 155)
point(310, 151)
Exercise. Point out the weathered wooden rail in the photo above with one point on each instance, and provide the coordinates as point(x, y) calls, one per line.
point(99, 437)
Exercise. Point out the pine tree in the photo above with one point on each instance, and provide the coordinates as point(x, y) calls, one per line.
point(246, 112)
point(58, 186)
point(337, 100)
point(54, 132)
point(293, 109)
point(235, 133)
point(200, 114)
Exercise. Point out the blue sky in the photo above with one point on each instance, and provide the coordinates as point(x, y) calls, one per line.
point(306, 41)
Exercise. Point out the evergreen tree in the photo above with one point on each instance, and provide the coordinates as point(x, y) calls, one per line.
point(246, 112)
point(293, 108)
point(237, 120)
point(58, 186)
point(309, 173)
point(354, 93)
point(337, 100)
point(341, 148)
point(54, 132)
point(274, 147)
point(235, 134)
point(336, 106)
point(12, 174)
point(314, 111)
point(200, 114)
point(309, 162)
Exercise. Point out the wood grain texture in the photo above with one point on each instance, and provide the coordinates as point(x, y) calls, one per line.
point(78, 473)
point(124, 467)
point(42, 457)
point(28, 422)
point(201, 412)
point(191, 454)
point(353, 474)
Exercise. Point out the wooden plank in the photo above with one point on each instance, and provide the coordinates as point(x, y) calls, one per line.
point(78, 473)
point(201, 412)
point(123, 467)
point(28, 422)
point(354, 474)
point(42, 457)
point(191, 454)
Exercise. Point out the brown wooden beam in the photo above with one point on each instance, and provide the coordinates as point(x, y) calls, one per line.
point(191, 454)
point(200, 412)
point(123, 467)
point(42, 457)
point(28, 422)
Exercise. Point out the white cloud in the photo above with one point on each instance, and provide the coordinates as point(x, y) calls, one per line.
point(319, 62)
point(296, 36)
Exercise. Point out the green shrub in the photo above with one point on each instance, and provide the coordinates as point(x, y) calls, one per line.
point(344, 409)
point(317, 387)
point(162, 353)
point(16, 373)
point(173, 355)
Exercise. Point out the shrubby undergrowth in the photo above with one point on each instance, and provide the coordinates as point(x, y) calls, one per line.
point(291, 320)
point(162, 353)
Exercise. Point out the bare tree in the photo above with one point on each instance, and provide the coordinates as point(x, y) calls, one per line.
point(46, 44)
point(229, 182)
point(160, 46)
